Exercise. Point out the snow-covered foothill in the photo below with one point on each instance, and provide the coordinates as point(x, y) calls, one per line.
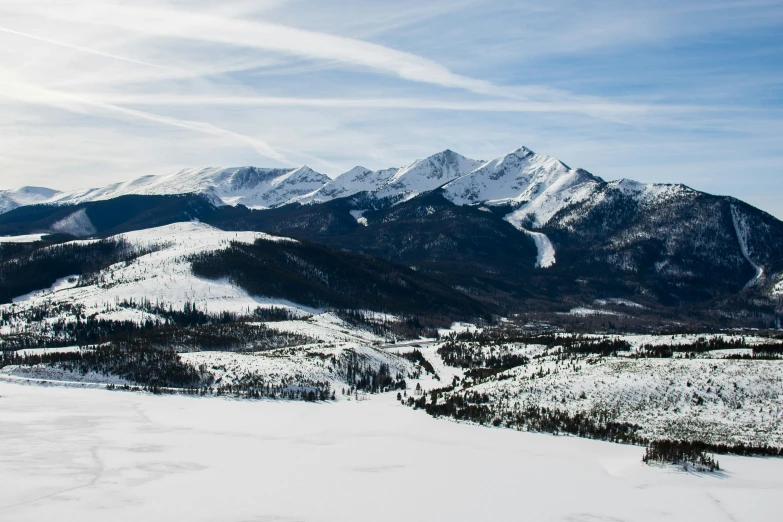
point(161, 276)
point(296, 366)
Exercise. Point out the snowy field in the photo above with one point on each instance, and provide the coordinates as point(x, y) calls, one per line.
point(94, 455)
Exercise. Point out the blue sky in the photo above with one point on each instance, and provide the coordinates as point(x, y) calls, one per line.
point(671, 91)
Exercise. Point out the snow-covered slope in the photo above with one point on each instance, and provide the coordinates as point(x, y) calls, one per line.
point(358, 179)
point(427, 174)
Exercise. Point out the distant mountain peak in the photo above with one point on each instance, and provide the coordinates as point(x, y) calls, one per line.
point(522, 152)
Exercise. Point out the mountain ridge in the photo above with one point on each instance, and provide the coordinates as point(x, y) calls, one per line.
point(537, 185)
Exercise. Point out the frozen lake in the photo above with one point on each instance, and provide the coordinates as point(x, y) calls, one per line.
point(94, 455)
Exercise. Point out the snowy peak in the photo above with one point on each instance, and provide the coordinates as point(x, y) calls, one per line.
point(19, 197)
point(290, 186)
point(538, 185)
point(427, 174)
point(358, 179)
point(31, 195)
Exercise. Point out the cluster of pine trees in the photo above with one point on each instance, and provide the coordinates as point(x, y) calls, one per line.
point(470, 355)
point(256, 387)
point(687, 454)
point(703, 345)
point(363, 376)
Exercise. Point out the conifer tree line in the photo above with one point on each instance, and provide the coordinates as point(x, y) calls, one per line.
point(137, 362)
point(187, 328)
point(703, 345)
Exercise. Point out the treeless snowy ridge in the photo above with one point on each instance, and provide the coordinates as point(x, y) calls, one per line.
point(92, 455)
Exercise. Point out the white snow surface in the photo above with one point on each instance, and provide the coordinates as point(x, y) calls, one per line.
point(163, 276)
point(546, 250)
point(27, 238)
point(583, 311)
point(358, 216)
point(545, 256)
point(618, 301)
point(77, 454)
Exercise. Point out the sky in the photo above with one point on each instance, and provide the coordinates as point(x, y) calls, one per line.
point(672, 91)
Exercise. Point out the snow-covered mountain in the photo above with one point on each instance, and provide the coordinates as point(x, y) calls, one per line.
point(358, 179)
point(536, 186)
point(19, 197)
point(250, 186)
point(539, 184)
point(398, 184)
point(427, 174)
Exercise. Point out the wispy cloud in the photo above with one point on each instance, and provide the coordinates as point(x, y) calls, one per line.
point(83, 49)
point(39, 95)
point(271, 37)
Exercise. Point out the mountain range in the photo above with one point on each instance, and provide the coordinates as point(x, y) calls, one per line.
point(520, 229)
